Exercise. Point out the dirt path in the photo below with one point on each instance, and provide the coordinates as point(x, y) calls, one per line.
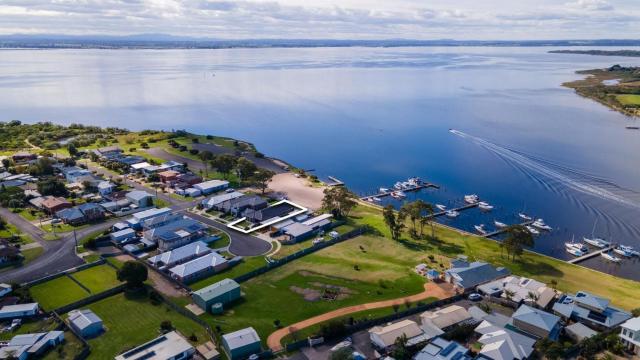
point(298, 190)
point(440, 291)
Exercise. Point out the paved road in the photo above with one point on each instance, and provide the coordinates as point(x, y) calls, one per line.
point(241, 244)
point(430, 290)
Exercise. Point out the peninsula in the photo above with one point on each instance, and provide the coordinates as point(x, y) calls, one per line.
point(628, 53)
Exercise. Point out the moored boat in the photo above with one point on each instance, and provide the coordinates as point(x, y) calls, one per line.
point(610, 257)
point(499, 224)
point(621, 251)
point(583, 248)
point(532, 230)
point(471, 199)
point(484, 206)
point(539, 223)
point(597, 242)
point(383, 190)
point(441, 207)
point(630, 250)
point(398, 195)
point(452, 213)
point(525, 217)
point(376, 199)
point(398, 186)
point(480, 229)
point(575, 252)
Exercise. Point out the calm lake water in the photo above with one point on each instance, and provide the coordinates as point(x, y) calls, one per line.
point(373, 116)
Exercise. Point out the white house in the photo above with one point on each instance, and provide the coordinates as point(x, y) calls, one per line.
point(383, 337)
point(18, 311)
point(630, 335)
point(170, 346)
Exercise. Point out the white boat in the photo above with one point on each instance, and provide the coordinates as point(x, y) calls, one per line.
point(441, 207)
point(532, 230)
point(452, 214)
point(525, 217)
point(471, 199)
point(383, 190)
point(480, 229)
point(583, 248)
point(575, 252)
point(398, 194)
point(630, 250)
point(485, 206)
point(406, 185)
point(499, 224)
point(621, 251)
point(610, 257)
point(398, 186)
point(539, 223)
point(597, 242)
point(376, 199)
point(415, 181)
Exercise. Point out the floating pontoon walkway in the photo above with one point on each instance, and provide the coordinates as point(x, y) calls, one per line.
point(590, 255)
point(336, 182)
point(407, 189)
point(500, 231)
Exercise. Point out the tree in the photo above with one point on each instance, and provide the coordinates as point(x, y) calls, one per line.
point(345, 353)
point(533, 297)
point(154, 177)
point(52, 186)
point(224, 164)
point(635, 312)
point(206, 156)
point(509, 294)
point(133, 273)
point(413, 211)
point(245, 168)
point(517, 238)
point(166, 326)
point(392, 221)
point(261, 179)
point(400, 350)
point(339, 201)
point(6, 163)
point(73, 151)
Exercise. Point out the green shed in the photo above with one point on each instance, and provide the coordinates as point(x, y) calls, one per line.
point(223, 292)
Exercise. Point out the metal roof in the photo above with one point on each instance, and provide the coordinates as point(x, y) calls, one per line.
point(240, 338)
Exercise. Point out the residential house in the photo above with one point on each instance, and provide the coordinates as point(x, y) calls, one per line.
point(8, 252)
point(117, 205)
point(5, 289)
point(73, 173)
point(168, 176)
point(223, 292)
point(503, 344)
point(140, 198)
point(92, 211)
point(212, 202)
point(24, 346)
point(18, 311)
point(238, 205)
point(161, 220)
point(536, 322)
point(170, 346)
point(108, 152)
point(519, 290)
point(437, 322)
point(579, 331)
point(211, 186)
point(140, 167)
point(630, 335)
point(22, 157)
point(298, 231)
point(198, 268)
point(187, 180)
point(105, 187)
point(129, 160)
point(179, 255)
point(85, 322)
point(138, 219)
point(241, 344)
point(441, 349)
point(465, 276)
point(176, 233)
point(72, 216)
point(384, 337)
point(591, 310)
point(54, 204)
point(192, 192)
point(258, 216)
point(123, 235)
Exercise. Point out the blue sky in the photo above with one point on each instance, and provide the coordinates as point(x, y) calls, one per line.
point(344, 19)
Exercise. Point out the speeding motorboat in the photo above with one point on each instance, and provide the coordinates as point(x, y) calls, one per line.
point(480, 229)
point(532, 230)
point(452, 214)
point(610, 257)
point(499, 224)
point(539, 223)
point(525, 217)
point(441, 207)
point(597, 242)
point(485, 206)
point(471, 199)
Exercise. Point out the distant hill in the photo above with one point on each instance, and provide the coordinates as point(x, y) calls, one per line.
point(629, 53)
point(167, 41)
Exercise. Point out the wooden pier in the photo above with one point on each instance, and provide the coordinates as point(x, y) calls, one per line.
point(458, 209)
point(590, 255)
point(502, 230)
point(408, 189)
point(336, 182)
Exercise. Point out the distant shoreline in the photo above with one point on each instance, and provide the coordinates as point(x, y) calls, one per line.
point(627, 53)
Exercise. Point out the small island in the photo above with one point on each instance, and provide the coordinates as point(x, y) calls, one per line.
point(628, 53)
point(617, 87)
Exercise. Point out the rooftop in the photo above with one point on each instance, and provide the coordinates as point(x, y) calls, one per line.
point(83, 318)
point(214, 290)
point(202, 263)
point(164, 347)
point(475, 273)
point(536, 317)
point(181, 253)
point(389, 333)
point(241, 338)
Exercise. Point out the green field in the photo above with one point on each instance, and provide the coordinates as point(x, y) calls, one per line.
point(11, 230)
point(131, 320)
point(628, 99)
point(98, 278)
point(57, 292)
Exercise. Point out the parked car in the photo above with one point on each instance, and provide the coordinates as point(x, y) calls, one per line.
point(474, 297)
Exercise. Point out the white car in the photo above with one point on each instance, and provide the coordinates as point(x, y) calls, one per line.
point(474, 297)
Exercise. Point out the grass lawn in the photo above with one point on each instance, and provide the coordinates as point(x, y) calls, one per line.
point(276, 295)
point(98, 278)
point(57, 292)
point(62, 228)
point(68, 351)
point(247, 264)
point(30, 327)
point(131, 320)
point(222, 242)
point(29, 255)
point(570, 278)
point(28, 215)
point(629, 99)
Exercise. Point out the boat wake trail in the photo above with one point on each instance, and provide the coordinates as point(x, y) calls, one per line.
point(570, 178)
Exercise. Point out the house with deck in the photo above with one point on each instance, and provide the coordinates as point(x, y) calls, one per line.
point(466, 275)
point(591, 310)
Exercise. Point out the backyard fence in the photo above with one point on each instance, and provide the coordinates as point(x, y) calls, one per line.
point(186, 313)
point(63, 273)
point(62, 326)
point(91, 299)
point(277, 263)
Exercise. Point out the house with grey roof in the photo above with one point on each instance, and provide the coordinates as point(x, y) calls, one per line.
point(223, 292)
point(521, 290)
point(169, 346)
point(137, 220)
point(176, 233)
point(85, 322)
point(198, 268)
point(591, 310)
point(238, 205)
point(241, 344)
point(18, 311)
point(441, 349)
point(140, 198)
point(35, 345)
point(503, 344)
point(179, 255)
point(213, 201)
point(465, 275)
point(536, 322)
point(211, 186)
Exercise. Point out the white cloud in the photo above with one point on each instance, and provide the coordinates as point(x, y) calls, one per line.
point(467, 19)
